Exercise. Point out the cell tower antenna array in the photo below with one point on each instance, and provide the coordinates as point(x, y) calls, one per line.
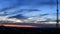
point(57, 24)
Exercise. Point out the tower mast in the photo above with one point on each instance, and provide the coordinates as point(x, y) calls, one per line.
point(57, 24)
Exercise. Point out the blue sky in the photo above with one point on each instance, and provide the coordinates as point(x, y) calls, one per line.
point(29, 8)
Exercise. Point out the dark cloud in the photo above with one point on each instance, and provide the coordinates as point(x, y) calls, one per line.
point(41, 15)
point(30, 10)
point(33, 10)
point(49, 20)
point(19, 16)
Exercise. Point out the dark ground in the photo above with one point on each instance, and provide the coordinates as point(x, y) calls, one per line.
point(47, 28)
point(32, 24)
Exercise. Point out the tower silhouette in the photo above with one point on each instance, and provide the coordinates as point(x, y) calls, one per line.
point(57, 24)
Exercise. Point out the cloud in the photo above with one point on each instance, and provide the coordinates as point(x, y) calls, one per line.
point(41, 15)
point(49, 20)
point(19, 16)
point(30, 10)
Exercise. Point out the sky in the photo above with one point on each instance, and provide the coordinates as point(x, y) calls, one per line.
point(24, 9)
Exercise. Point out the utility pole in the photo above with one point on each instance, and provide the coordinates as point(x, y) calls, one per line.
point(57, 24)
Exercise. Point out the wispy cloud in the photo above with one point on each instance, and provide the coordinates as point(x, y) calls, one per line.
point(42, 15)
point(30, 10)
point(19, 16)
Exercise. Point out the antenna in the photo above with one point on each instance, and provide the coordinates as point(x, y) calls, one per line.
point(57, 24)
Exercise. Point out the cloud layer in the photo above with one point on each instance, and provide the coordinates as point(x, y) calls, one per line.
point(23, 9)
